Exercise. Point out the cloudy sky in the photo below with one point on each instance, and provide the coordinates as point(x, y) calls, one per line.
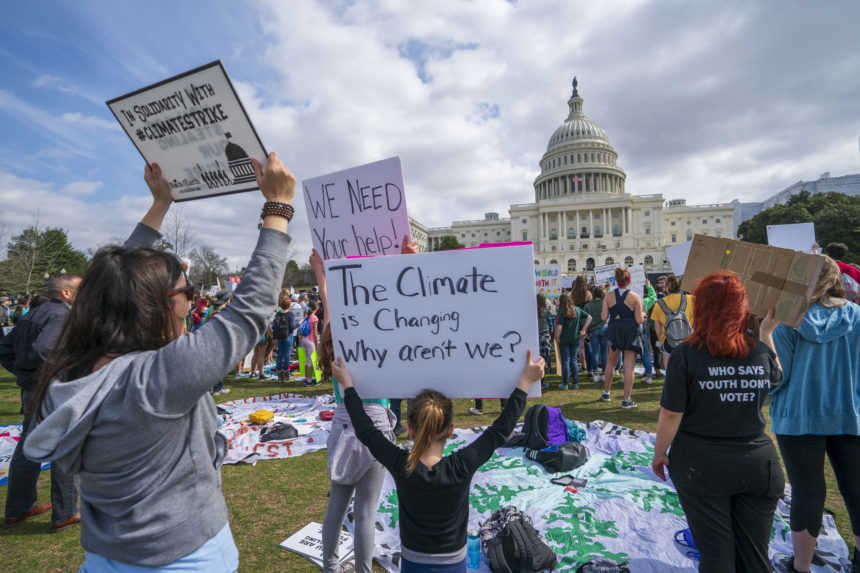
point(708, 102)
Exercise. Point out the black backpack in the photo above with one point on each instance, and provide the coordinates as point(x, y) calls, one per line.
point(561, 458)
point(519, 549)
point(535, 435)
point(282, 325)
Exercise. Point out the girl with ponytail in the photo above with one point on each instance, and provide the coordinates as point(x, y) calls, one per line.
point(433, 489)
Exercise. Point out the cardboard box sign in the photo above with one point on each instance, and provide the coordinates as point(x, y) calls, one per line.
point(774, 278)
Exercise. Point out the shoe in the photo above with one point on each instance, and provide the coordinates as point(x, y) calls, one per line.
point(627, 404)
point(37, 509)
point(596, 378)
point(574, 386)
point(658, 375)
point(311, 382)
point(475, 411)
point(224, 391)
point(605, 397)
point(562, 386)
point(61, 525)
point(648, 380)
point(784, 564)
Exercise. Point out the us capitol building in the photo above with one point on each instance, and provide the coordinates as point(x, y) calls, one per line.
point(581, 216)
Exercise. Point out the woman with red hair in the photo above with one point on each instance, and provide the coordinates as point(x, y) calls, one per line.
point(724, 466)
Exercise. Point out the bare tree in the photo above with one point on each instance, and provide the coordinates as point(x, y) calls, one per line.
point(207, 266)
point(178, 232)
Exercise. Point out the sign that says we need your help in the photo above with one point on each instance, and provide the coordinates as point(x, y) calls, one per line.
point(459, 322)
point(195, 127)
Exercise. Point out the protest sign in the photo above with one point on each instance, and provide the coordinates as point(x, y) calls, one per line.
point(606, 274)
point(307, 542)
point(548, 280)
point(459, 322)
point(567, 283)
point(774, 278)
point(194, 126)
point(358, 212)
point(677, 255)
point(213, 290)
point(796, 236)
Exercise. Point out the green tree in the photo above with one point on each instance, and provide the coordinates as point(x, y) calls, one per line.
point(35, 254)
point(836, 217)
point(449, 243)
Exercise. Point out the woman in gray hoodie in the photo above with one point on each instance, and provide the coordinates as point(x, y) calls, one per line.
point(124, 400)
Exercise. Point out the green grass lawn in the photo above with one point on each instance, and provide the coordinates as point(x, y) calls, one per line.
point(273, 499)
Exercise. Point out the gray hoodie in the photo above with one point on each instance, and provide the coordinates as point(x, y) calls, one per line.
point(142, 431)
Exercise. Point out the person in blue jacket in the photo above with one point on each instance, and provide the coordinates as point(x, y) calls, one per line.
point(817, 410)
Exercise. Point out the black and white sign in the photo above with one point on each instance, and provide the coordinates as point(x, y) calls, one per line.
point(194, 126)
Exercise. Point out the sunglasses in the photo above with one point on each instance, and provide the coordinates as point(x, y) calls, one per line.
point(187, 290)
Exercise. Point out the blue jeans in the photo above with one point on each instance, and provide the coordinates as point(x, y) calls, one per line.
point(569, 369)
point(598, 347)
point(646, 353)
point(589, 360)
point(285, 346)
point(407, 566)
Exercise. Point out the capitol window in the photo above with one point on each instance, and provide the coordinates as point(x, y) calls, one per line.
point(473, 235)
point(525, 235)
point(584, 246)
point(689, 235)
point(565, 159)
point(579, 158)
point(628, 261)
point(649, 260)
point(524, 221)
point(648, 229)
point(674, 238)
point(717, 220)
point(571, 265)
point(609, 261)
point(553, 262)
point(589, 264)
point(647, 212)
point(592, 157)
point(672, 223)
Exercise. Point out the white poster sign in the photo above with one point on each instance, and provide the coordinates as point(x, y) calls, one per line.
point(678, 255)
point(795, 236)
point(459, 322)
point(567, 282)
point(194, 126)
point(606, 274)
point(358, 212)
point(307, 542)
point(213, 290)
point(548, 280)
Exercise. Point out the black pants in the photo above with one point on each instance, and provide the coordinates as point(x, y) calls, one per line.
point(729, 490)
point(804, 462)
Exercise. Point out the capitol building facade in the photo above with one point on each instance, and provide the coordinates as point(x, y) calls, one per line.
point(581, 216)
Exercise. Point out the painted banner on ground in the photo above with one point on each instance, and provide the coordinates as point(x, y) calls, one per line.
point(459, 322)
point(624, 513)
point(301, 412)
point(358, 212)
point(195, 127)
point(548, 280)
point(606, 274)
point(795, 236)
point(9, 436)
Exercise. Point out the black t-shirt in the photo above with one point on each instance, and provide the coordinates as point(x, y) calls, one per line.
point(720, 397)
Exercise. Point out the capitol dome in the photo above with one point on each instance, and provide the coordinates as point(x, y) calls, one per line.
point(578, 158)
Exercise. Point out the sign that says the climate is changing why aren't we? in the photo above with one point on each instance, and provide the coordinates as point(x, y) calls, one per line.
point(195, 127)
point(459, 322)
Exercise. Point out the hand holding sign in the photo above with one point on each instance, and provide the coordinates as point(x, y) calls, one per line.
point(532, 372)
point(275, 181)
point(158, 185)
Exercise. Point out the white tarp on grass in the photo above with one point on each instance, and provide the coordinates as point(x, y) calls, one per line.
point(624, 513)
point(9, 436)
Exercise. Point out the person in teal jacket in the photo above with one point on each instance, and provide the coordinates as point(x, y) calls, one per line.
point(817, 410)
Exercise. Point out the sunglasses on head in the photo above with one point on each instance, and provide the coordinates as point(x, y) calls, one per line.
point(187, 290)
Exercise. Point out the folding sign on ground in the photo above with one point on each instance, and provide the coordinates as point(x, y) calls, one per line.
point(774, 278)
point(358, 212)
point(456, 321)
point(194, 126)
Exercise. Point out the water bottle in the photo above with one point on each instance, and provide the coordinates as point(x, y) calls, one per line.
point(473, 549)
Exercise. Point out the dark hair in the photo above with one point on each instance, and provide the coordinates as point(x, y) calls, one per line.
point(325, 351)
point(836, 251)
point(122, 306)
point(55, 285)
point(541, 304)
point(597, 292)
point(429, 415)
point(672, 284)
point(579, 291)
point(720, 316)
point(622, 277)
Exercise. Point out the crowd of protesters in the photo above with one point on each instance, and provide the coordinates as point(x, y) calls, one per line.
point(117, 369)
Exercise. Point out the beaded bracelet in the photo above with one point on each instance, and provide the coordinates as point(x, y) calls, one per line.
point(284, 210)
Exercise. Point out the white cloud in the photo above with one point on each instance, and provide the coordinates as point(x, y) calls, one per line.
point(89, 120)
point(64, 86)
point(81, 188)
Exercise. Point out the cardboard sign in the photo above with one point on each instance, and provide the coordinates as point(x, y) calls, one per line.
point(796, 236)
point(307, 542)
point(459, 322)
point(194, 126)
point(774, 278)
point(678, 255)
point(358, 212)
point(606, 274)
point(548, 280)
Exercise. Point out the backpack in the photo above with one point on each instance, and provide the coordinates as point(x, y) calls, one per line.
point(543, 426)
point(518, 547)
point(305, 327)
point(282, 326)
point(677, 324)
point(560, 457)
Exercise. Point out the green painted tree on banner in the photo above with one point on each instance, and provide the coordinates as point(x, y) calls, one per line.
point(575, 540)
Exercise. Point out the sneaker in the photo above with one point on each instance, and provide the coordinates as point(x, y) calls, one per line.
point(475, 411)
point(648, 380)
point(37, 509)
point(605, 397)
point(658, 375)
point(224, 391)
point(61, 525)
point(562, 386)
point(783, 563)
point(574, 386)
point(311, 382)
point(627, 404)
point(596, 378)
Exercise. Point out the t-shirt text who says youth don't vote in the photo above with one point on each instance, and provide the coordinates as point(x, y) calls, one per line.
point(720, 397)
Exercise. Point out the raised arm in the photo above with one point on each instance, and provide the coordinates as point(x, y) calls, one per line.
point(638, 313)
point(316, 263)
point(177, 375)
point(604, 312)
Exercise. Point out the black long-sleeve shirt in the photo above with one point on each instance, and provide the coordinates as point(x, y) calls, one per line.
point(434, 503)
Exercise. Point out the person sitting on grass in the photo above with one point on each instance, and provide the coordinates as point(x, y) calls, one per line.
point(123, 399)
point(432, 489)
